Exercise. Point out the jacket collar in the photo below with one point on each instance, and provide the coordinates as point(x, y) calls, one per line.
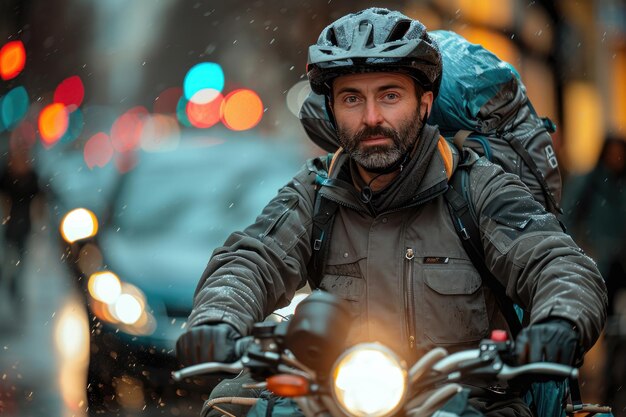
point(336, 186)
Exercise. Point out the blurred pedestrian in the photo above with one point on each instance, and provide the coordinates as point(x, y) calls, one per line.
point(18, 185)
point(595, 213)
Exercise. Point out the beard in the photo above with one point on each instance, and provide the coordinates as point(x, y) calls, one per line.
point(379, 157)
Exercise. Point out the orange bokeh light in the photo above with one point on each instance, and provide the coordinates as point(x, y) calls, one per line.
point(242, 110)
point(203, 110)
point(12, 59)
point(53, 123)
point(70, 92)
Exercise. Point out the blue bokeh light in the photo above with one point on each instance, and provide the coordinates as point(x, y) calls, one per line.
point(202, 76)
point(75, 126)
point(181, 112)
point(13, 107)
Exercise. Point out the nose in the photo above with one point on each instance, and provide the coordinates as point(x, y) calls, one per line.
point(372, 115)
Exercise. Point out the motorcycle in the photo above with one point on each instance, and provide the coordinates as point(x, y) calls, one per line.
point(304, 358)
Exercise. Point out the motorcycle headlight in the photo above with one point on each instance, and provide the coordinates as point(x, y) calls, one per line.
point(369, 380)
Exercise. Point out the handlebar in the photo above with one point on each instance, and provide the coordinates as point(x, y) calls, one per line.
point(506, 372)
point(209, 367)
point(543, 368)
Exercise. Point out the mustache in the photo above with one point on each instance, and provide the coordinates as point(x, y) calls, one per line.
point(372, 131)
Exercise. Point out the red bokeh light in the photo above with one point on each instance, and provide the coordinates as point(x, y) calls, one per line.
point(70, 92)
point(204, 108)
point(98, 150)
point(12, 59)
point(126, 130)
point(167, 101)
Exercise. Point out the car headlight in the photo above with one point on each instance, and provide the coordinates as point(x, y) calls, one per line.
point(79, 224)
point(369, 380)
point(104, 286)
point(120, 303)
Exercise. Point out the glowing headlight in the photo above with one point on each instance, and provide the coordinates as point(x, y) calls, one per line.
point(104, 286)
point(128, 308)
point(79, 224)
point(369, 380)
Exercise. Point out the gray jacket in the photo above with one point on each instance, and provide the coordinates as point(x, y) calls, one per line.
point(404, 270)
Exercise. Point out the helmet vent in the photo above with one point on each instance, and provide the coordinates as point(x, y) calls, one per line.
point(365, 27)
point(332, 37)
point(399, 30)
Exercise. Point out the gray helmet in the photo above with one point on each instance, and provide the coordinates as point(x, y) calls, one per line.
point(374, 40)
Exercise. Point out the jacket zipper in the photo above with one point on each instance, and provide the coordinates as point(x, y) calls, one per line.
point(343, 203)
point(409, 255)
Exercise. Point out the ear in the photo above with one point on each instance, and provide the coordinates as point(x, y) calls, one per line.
point(426, 104)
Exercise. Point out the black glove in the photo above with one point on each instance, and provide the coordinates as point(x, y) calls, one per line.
point(555, 340)
point(207, 343)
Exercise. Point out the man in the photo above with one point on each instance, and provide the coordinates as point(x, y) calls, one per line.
point(394, 252)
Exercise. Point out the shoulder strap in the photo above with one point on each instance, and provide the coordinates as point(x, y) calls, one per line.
point(467, 227)
point(323, 220)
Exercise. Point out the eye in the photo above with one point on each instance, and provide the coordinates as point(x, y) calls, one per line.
point(391, 96)
point(351, 99)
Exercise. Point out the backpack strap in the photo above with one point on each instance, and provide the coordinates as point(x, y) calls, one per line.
point(467, 227)
point(324, 211)
point(323, 220)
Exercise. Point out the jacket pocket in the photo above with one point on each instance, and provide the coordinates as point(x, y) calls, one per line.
point(454, 304)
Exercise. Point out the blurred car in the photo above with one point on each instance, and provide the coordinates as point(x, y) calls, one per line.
point(149, 234)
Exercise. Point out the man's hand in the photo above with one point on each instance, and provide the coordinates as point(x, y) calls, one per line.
point(207, 343)
point(554, 340)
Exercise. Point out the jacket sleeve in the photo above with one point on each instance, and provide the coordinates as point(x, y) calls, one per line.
point(260, 268)
point(542, 268)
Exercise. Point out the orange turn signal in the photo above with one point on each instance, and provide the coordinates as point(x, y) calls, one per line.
point(285, 385)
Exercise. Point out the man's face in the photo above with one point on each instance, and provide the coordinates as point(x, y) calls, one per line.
point(378, 116)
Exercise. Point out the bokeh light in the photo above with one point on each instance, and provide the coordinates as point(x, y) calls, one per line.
point(242, 110)
point(70, 92)
point(160, 133)
point(203, 110)
point(202, 76)
point(12, 59)
point(181, 112)
point(78, 224)
point(167, 101)
point(126, 130)
point(53, 123)
point(98, 150)
point(13, 107)
point(75, 127)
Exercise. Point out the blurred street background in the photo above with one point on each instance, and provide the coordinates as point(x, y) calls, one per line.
point(171, 124)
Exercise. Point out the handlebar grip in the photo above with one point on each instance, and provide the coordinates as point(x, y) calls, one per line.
point(207, 368)
point(242, 345)
point(538, 368)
